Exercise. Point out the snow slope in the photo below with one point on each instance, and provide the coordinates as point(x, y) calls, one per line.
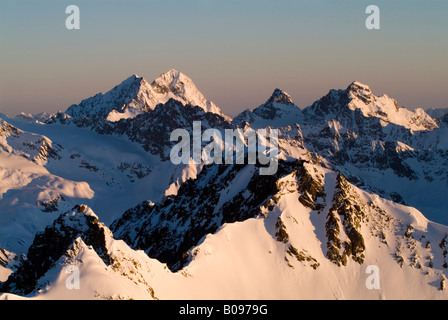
point(49, 171)
point(282, 253)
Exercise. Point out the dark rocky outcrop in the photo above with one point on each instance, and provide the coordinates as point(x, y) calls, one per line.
point(53, 243)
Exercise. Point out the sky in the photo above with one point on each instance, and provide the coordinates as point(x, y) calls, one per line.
point(236, 51)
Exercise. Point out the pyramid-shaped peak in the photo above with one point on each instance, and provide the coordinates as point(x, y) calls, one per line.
point(135, 76)
point(280, 96)
point(132, 78)
point(172, 77)
point(356, 86)
point(132, 82)
point(172, 73)
point(174, 81)
point(175, 84)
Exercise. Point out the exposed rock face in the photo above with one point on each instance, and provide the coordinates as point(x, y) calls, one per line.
point(344, 222)
point(153, 129)
point(7, 257)
point(311, 189)
point(166, 231)
point(53, 243)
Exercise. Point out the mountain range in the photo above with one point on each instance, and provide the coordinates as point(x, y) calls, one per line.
point(361, 182)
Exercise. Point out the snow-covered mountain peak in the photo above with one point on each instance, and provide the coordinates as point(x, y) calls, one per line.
point(278, 111)
point(135, 82)
point(177, 83)
point(356, 86)
point(360, 91)
point(131, 79)
point(83, 210)
point(135, 95)
point(280, 96)
point(388, 111)
point(40, 117)
point(180, 87)
point(75, 241)
point(136, 76)
point(132, 93)
point(338, 104)
point(170, 79)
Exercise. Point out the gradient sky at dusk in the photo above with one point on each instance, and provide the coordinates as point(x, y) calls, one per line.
point(236, 51)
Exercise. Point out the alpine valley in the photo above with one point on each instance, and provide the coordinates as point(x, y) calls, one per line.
point(91, 192)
